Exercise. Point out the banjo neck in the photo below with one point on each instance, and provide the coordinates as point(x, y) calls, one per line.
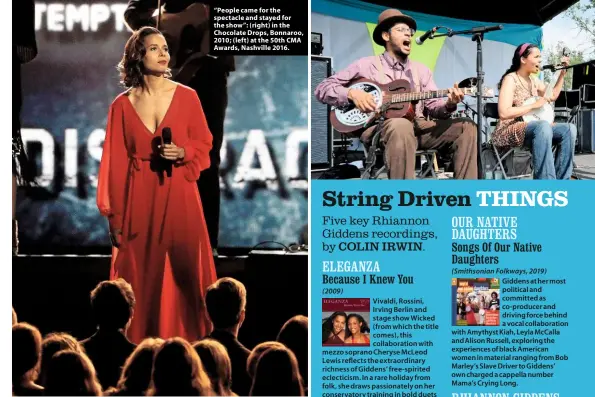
point(549, 89)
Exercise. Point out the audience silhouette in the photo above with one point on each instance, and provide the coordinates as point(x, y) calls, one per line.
point(217, 365)
point(177, 371)
point(294, 335)
point(71, 373)
point(136, 374)
point(26, 358)
point(226, 306)
point(277, 374)
point(52, 344)
point(112, 303)
point(108, 364)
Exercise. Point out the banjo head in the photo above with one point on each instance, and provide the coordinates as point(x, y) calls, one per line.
point(350, 116)
point(545, 113)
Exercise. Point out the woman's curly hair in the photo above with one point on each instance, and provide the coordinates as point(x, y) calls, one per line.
point(131, 66)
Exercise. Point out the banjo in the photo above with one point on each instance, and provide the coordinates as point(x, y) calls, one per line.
point(394, 100)
point(546, 112)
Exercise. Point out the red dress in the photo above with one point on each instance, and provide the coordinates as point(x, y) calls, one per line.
point(165, 252)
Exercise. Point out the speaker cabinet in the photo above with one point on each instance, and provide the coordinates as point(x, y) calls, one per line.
point(588, 97)
point(568, 99)
point(321, 129)
point(583, 74)
point(586, 130)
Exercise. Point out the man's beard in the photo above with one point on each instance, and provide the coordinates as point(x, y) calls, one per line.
point(401, 54)
point(398, 52)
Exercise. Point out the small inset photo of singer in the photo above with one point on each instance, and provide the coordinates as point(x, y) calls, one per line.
point(476, 301)
point(346, 322)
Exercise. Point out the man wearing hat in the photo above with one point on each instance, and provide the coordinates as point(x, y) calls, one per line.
point(433, 127)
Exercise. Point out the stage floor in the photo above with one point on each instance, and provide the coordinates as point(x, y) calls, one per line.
point(585, 169)
point(52, 291)
point(585, 165)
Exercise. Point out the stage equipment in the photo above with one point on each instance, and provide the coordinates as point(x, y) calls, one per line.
point(321, 130)
point(477, 34)
point(316, 43)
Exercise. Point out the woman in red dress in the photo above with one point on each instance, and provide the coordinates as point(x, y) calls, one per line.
point(147, 190)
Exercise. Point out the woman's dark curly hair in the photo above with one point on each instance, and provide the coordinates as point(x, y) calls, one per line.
point(327, 325)
point(131, 66)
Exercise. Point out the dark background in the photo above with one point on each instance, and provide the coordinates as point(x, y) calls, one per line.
point(71, 84)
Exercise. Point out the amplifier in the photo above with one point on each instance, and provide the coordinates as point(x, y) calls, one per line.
point(588, 97)
point(568, 99)
point(321, 144)
point(583, 74)
point(561, 115)
point(586, 130)
point(316, 43)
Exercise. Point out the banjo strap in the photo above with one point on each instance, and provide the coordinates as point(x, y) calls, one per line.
point(380, 68)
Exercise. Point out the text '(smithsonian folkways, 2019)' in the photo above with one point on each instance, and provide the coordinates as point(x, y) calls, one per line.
point(465, 292)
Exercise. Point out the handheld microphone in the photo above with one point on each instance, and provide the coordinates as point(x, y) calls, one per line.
point(425, 36)
point(166, 136)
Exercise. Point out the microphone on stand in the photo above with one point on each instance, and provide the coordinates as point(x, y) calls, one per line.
point(426, 36)
point(485, 29)
point(166, 137)
point(553, 67)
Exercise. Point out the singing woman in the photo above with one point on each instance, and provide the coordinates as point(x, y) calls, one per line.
point(158, 231)
point(516, 86)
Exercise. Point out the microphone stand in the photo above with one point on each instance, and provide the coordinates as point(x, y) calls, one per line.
point(477, 33)
point(572, 116)
point(559, 67)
